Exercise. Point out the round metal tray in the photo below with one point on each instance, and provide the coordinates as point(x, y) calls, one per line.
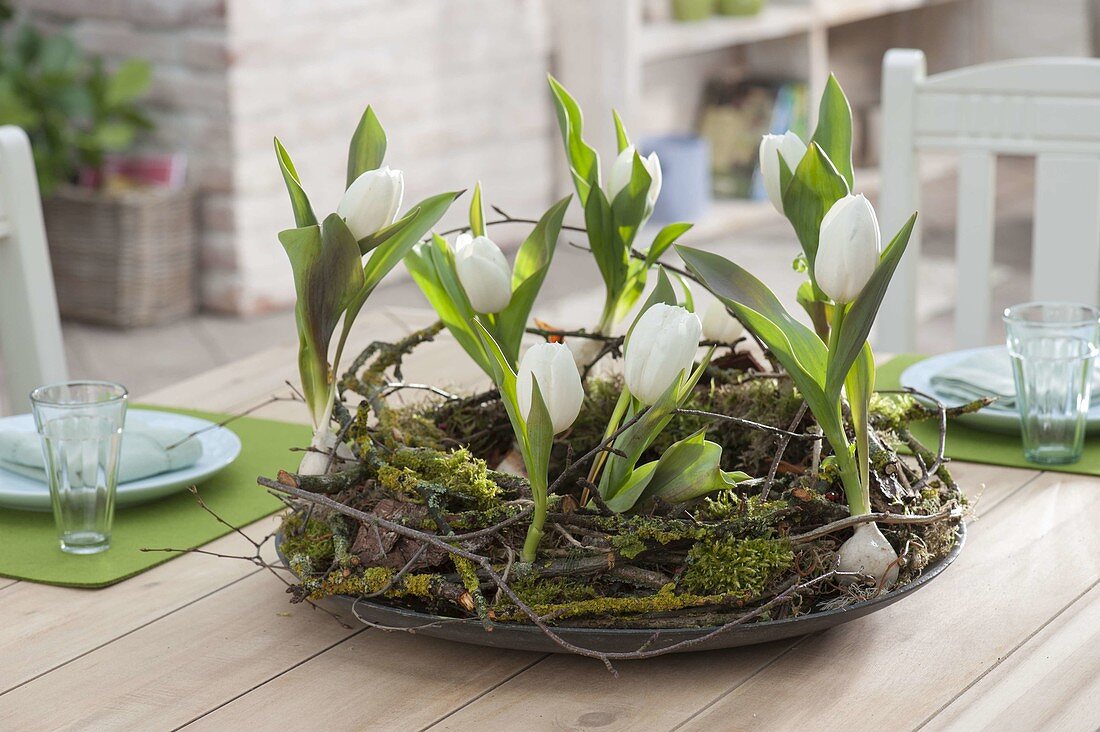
point(529, 638)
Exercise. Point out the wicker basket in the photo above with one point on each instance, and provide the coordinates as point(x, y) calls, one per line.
point(123, 259)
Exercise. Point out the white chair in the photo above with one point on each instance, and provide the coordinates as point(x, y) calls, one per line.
point(1047, 108)
point(31, 349)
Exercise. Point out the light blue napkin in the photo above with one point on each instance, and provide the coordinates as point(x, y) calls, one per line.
point(144, 452)
point(986, 373)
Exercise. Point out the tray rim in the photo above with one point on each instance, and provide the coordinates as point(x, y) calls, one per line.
point(450, 628)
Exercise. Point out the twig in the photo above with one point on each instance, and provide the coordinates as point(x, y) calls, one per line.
point(755, 425)
point(270, 400)
point(950, 512)
point(783, 442)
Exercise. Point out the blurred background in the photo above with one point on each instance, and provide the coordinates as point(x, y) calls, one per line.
point(152, 124)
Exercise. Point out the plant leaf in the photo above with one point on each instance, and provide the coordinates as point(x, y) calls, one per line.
point(834, 128)
point(129, 82)
point(621, 138)
point(665, 238)
point(540, 440)
point(860, 384)
point(607, 248)
point(862, 311)
point(303, 212)
point(371, 241)
point(797, 347)
point(812, 191)
point(583, 160)
point(368, 146)
point(504, 378)
point(389, 254)
point(327, 273)
point(532, 263)
point(431, 265)
point(477, 212)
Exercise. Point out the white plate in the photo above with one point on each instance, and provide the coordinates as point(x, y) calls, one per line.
point(220, 447)
point(919, 376)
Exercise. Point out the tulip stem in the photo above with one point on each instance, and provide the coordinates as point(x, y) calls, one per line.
point(858, 500)
point(538, 518)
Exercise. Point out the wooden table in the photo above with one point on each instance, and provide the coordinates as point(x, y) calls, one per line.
point(1009, 637)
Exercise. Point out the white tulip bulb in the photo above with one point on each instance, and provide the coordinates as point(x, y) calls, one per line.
point(372, 201)
point(552, 366)
point(791, 147)
point(661, 346)
point(848, 248)
point(623, 169)
point(868, 552)
point(718, 325)
point(483, 272)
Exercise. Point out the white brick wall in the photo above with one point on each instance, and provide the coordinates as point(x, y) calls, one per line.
point(458, 84)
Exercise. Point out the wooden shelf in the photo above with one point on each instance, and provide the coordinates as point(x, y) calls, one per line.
point(669, 39)
point(672, 39)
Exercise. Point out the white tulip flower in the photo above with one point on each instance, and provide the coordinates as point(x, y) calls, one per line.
point(848, 248)
point(552, 366)
point(661, 346)
point(483, 272)
point(791, 147)
point(718, 325)
point(623, 169)
point(372, 201)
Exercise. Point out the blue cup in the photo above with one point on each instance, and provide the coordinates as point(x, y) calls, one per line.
point(685, 175)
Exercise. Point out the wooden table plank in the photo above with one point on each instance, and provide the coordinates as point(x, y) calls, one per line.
point(374, 680)
point(1051, 682)
point(901, 665)
point(43, 627)
point(179, 667)
point(576, 692)
point(568, 692)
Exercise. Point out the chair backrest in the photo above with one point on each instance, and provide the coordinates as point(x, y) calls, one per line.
point(31, 349)
point(1047, 108)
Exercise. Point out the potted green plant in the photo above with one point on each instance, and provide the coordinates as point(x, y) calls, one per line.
point(122, 251)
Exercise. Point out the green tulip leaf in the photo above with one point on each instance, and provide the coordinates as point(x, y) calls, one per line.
point(861, 312)
point(665, 238)
point(540, 440)
point(477, 212)
point(621, 138)
point(303, 212)
point(370, 242)
point(834, 128)
point(532, 263)
point(583, 160)
point(813, 189)
point(368, 146)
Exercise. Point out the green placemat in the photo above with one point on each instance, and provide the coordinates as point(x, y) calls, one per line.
point(28, 542)
point(979, 446)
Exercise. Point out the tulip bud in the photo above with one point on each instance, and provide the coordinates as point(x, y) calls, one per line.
point(848, 248)
point(623, 169)
point(483, 272)
point(552, 366)
point(719, 326)
point(661, 346)
point(791, 147)
point(372, 201)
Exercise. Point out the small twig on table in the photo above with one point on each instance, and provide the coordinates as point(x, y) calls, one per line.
point(270, 400)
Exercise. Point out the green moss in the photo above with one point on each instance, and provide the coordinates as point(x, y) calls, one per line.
point(665, 600)
point(543, 591)
point(735, 565)
point(745, 515)
point(371, 581)
point(312, 542)
point(459, 473)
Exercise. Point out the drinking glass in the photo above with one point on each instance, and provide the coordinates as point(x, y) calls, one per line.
point(80, 423)
point(1053, 346)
